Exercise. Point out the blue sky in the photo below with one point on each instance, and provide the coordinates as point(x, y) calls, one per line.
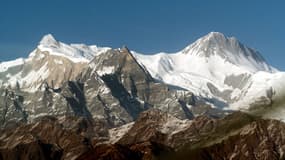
point(146, 26)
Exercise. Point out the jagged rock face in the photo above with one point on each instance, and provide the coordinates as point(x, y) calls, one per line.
point(69, 138)
point(11, 107)
point(258, 140)
point(126, 78)
point(155, 135)
point(237, 136)
point(204, 131)
point(160, 127)
point(146, 128)
point(27, 106)
point(52, 138)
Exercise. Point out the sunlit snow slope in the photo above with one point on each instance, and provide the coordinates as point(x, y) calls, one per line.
point(221, 69)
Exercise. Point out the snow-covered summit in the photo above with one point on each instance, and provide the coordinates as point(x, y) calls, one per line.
point(48, 40)
point(51, 61)
point(217, 67)
point(229, 49)
point(75, 52)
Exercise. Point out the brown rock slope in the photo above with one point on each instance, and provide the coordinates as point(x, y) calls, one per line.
point(155, 135)
point(50, 138)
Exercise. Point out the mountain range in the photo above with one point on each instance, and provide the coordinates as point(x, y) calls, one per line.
point(122, 101)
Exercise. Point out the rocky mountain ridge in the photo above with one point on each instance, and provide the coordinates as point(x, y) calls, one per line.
point(237, 136)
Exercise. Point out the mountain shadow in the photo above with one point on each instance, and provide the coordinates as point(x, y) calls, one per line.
point(129, 102)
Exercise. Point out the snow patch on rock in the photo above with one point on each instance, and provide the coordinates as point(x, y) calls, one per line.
point(106, 70)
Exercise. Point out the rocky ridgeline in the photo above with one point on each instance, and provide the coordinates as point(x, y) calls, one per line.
point(154, 135)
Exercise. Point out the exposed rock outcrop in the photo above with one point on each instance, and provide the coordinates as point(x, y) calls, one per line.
point(155, 135)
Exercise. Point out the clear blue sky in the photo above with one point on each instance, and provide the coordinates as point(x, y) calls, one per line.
point(146, 26)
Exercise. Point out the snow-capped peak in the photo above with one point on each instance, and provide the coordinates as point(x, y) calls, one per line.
point(213, 66)
point(212, 39)
point(215, 39)
point(48, 40)
point(74, 52)
point(213, 42)
point(230, 50)
point(215, 36)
